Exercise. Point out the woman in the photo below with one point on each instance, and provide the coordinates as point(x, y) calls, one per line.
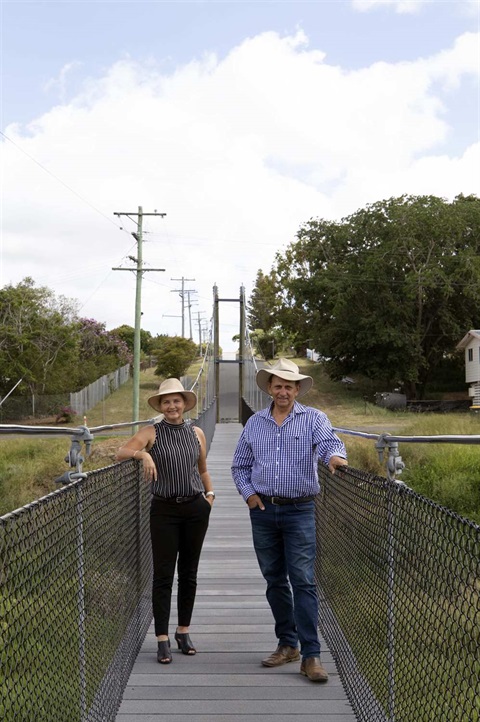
point(174, 458)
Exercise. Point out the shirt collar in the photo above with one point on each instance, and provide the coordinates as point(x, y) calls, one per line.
point(296, 409)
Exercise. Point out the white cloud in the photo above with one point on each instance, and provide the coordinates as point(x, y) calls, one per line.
point(60, 83)
point(400, 6)
point(414, 6)
point(238, 152)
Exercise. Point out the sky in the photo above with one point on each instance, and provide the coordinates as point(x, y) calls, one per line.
point(240, 121)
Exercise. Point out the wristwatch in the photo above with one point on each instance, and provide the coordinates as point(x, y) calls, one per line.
point(210, 493)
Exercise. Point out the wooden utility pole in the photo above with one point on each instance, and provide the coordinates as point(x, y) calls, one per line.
point(181, 291)
point(189, 306)
point(139, 271)
point(199, 321)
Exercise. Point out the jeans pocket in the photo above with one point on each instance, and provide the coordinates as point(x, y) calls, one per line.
point(205, 501)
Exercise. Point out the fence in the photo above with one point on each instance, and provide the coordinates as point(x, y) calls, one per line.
point(74, 597)
point(399, 579)
point(21, 407)
point(204, 383)
point(35, 406)
point(88, 397)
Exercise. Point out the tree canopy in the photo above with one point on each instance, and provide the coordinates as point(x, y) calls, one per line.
point(37, 337)
point(388, 291)
point(44, 343)
point(127, 333)
point(174, 355)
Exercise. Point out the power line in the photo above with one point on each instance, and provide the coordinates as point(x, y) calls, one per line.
point(59, 180)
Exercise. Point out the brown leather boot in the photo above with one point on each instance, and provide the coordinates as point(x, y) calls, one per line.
point(313, 669)
point(282, 655)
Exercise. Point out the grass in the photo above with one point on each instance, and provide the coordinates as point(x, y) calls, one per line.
point(446, 473)
point(30, 465)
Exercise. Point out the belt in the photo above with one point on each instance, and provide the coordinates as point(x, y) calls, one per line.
point(178, 499)
point(281, 500)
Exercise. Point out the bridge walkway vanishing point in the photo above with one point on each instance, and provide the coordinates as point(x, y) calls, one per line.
point(233, 630)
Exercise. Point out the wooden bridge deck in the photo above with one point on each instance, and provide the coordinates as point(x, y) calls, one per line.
point(233, 630)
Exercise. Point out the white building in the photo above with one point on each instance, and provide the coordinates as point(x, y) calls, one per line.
point(471, 345)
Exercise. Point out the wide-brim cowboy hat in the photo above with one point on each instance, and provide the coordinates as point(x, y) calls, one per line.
point(287, 370)
point(172, 386)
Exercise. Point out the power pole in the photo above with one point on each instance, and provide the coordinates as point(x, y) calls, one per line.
point(139, 271)
point(189, 306)
point(181, 291)
point(199, 322)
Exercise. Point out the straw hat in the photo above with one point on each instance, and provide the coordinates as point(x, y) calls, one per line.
point(172, 386)
point(287, 370)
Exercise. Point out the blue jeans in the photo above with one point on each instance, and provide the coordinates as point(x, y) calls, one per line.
point(284, 541)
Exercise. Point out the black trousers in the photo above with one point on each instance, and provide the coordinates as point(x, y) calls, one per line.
point(177, 532)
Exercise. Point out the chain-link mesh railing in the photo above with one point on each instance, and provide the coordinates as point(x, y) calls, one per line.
point(399, 579)
point(75, 597)
point(204, 383)
point(253, 396)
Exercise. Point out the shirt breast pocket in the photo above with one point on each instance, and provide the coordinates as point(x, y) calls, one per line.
point(296, 449)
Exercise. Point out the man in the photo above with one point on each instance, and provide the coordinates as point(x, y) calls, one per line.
point(275, 470)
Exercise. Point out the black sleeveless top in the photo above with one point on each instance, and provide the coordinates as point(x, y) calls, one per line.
point(175, 453)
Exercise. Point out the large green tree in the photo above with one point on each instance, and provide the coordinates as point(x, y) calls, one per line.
point(44, 343)
point(38, 340)
point(100, 352)
point(174, 355)
point(388, 291)
point(267, 310)
point(127, 334)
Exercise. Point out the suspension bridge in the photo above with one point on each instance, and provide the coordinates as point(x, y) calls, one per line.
point(398, 579)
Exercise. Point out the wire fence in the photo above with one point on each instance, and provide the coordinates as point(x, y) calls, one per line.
point(35, 406)
point(399, 580)
point(45, 405)
point(74, 597)
point(204, 383)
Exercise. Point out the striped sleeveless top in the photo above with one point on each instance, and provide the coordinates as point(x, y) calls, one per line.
point(175, 454)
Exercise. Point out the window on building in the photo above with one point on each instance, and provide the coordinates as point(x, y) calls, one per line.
point(470, 354)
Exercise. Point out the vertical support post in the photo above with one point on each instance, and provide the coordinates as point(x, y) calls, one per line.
point(241, 353)
point(394, 466)
point(81, 604)
point(391, 602)
point(216, 349)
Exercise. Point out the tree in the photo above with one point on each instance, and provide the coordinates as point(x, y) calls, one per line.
point(264, 303)
point(38, 342)
point(127, 334)
point(388, 291)
point(266, 311)
point(100, 351)
point(174, 355)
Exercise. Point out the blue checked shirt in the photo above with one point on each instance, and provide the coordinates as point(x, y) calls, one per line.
point(282, 460)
